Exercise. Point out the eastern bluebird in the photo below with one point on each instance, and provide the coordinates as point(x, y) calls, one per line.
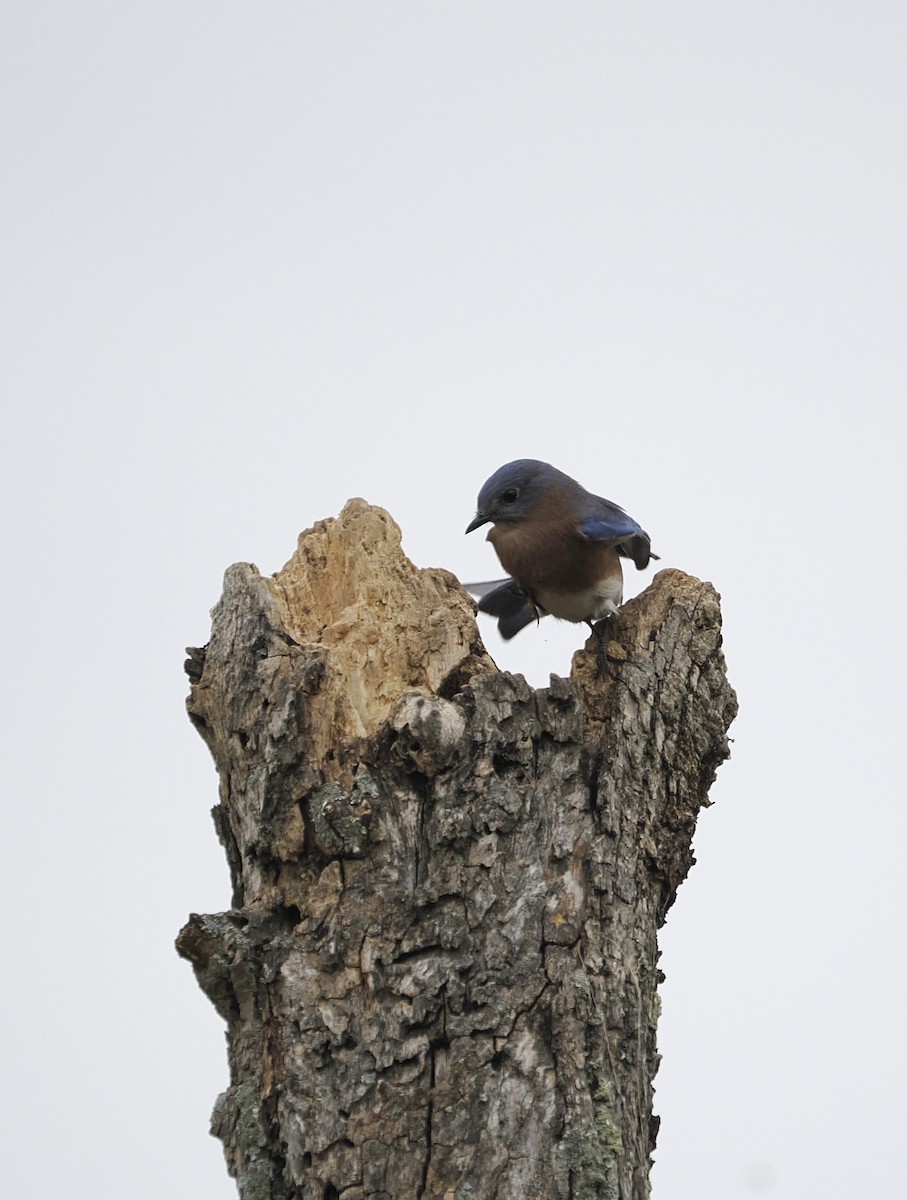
point(561, 545)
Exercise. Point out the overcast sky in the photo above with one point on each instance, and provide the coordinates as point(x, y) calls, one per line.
point(259, 258)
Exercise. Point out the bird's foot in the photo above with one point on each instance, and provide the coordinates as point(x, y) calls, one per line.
point(605, 660)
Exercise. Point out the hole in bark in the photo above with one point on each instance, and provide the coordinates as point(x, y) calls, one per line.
point(199, 722)
point(243, 739)
point(330, 1192)
point(307, 1160)
point(497, 1060)
point(501, 765)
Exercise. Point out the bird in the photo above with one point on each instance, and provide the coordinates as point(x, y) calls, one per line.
point(561, 545)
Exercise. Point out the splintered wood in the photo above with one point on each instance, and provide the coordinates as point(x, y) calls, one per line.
point(439, 974)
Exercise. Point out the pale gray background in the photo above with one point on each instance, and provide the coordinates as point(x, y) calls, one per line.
point(261, 257)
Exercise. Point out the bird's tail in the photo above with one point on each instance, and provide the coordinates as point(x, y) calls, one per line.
point(506, 600)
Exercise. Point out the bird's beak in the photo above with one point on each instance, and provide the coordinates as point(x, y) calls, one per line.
point(477, 520)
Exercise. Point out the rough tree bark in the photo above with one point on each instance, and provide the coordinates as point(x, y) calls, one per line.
point(439, 974)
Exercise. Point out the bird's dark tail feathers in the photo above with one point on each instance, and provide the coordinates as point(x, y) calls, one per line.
point(506, 600)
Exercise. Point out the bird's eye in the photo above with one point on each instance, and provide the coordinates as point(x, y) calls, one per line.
point(509, 496)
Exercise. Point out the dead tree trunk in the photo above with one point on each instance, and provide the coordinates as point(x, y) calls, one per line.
point(439, 975)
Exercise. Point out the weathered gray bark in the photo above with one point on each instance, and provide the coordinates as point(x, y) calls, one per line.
point(439, 975)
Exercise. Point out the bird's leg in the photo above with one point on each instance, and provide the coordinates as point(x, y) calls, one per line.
point(602, 657)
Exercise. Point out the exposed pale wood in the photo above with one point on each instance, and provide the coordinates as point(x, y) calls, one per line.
point(439, 976)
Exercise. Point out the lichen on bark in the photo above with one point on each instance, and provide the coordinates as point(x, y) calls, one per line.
point(439, 975)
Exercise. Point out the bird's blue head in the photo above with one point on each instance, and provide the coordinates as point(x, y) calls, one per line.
point(514, 490)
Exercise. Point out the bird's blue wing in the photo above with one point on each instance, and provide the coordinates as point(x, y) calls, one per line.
point(602, 521)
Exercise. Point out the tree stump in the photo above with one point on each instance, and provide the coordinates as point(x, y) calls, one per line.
point(439, 974)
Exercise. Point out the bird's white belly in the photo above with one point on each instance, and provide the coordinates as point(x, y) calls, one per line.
point(601, 600)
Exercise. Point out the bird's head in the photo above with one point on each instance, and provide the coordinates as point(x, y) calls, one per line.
point(514, 490)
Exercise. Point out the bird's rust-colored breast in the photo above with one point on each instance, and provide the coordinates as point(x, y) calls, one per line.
point(547, 550)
